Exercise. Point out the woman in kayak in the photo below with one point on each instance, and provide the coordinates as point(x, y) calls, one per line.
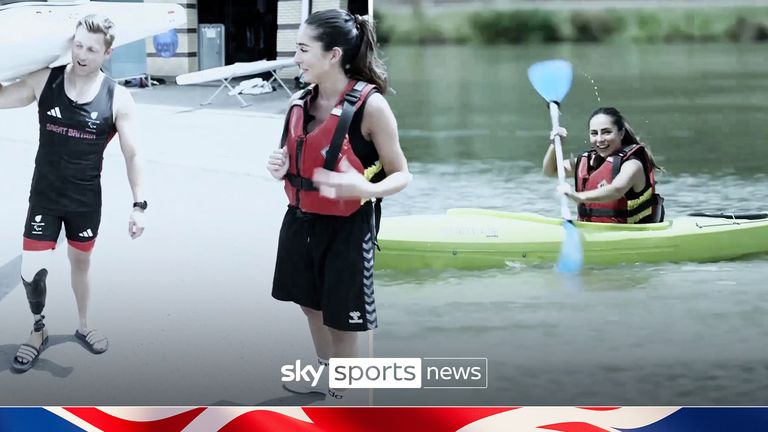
point(614, 180)
point(340, 152)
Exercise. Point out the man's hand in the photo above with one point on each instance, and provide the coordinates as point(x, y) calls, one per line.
point(136, 223)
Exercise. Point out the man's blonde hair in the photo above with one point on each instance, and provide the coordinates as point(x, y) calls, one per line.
point(95, 23)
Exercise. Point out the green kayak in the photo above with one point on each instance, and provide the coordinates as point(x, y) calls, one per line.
point(478, 239)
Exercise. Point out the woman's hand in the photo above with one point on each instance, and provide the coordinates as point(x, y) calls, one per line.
point(278, 163)
point(348, 183)
point(562, 132)
point(567, 190)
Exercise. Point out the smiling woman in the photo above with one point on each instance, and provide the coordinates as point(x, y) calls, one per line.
point(614, 180)
point(340, 154)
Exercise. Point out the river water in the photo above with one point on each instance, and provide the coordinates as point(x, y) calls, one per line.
point(474, 132)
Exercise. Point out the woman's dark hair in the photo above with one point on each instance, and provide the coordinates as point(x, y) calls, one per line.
point(630, 137)
point(356, 37)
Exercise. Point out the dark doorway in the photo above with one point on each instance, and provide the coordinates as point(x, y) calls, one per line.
point(358, 7)
point(250, 27)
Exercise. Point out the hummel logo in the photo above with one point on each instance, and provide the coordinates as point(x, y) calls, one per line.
point(87, 233)
point(94, 115)
point(355, 318)
point(55, 112)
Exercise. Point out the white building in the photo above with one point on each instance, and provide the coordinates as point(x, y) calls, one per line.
point(254, 30)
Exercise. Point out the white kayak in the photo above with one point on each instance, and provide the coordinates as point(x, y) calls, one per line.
point(37, 34)
point(234, 70)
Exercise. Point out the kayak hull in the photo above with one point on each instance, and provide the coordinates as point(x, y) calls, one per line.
point(37, 35)
point(479, 239)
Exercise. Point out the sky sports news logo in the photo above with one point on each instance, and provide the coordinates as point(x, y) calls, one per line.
point(427, 373)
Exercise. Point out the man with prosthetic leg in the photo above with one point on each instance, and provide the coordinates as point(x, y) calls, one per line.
point(80, 110)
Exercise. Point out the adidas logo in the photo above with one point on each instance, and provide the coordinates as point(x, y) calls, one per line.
point(55, 112)
point(87, 233)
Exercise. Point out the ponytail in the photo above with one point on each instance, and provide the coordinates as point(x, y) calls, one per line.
point(630, 137)
point(356, 37)
point(367, 66)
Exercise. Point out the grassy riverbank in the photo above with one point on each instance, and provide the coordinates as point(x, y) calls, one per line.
point(433, 26)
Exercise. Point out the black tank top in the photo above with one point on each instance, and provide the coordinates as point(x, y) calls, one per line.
point(364, 149)
point(73, 138)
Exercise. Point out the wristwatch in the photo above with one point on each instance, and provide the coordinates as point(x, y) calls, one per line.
point(140, 205)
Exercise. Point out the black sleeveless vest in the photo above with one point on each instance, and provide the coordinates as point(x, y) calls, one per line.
point(73, 138)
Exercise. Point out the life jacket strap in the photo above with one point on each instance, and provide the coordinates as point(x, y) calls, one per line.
point(300, 183)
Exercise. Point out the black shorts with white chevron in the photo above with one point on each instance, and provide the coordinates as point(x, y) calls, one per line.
point(326, 263)
point(42, 228)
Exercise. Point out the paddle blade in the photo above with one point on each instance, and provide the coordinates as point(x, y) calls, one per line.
point(571, 252)
point(552, 79)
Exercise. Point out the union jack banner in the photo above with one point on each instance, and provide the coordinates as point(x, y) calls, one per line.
point(383, 419)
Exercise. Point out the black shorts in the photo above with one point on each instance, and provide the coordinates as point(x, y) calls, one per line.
point(42, 228)
point(326, 263)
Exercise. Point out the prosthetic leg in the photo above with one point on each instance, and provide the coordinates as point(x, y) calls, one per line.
point(36, 290)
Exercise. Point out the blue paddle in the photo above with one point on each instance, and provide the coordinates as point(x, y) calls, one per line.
point(552, 79)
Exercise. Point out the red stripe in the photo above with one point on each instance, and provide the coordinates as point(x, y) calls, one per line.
point(573, 427)
point(377, 419)
point(599, 408)
point(38, 245)
point(83, 246)
point(405, 419)
point(269, 421)
point(110, 423)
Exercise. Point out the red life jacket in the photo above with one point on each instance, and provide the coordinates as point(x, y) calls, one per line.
point(633, 207)
point(325, 147)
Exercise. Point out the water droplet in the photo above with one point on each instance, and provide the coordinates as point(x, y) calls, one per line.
point(597, 94)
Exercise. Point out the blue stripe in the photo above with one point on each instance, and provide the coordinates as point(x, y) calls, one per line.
point(33, 419)
point(710, 420)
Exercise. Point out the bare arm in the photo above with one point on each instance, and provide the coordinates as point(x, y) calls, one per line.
point(631, 175)
point(381, 125)
point(25, 91)
point(127, 129)
point(549, 165)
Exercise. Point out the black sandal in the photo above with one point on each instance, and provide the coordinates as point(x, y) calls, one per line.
point(30, 354)
point(91, 339)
